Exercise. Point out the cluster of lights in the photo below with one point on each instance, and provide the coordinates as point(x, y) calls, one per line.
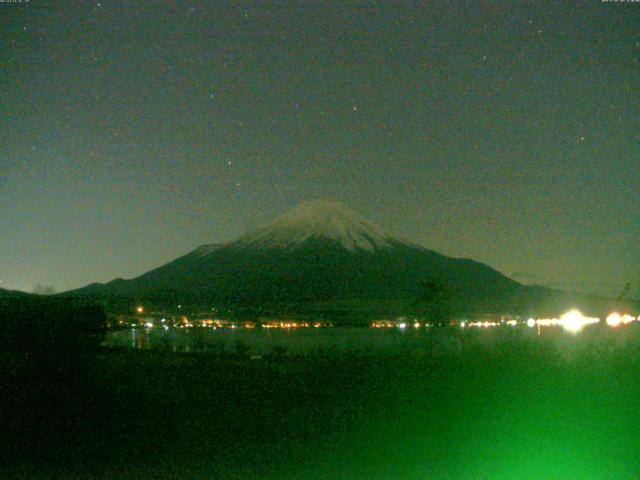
point(287, 325)
point(383, 324)
point(483, 324)
point(616, 319)
point(293, 324)
point(215, 323)
point(401, 324)
point(573, 321)
point(487, 324)
point(404, 325)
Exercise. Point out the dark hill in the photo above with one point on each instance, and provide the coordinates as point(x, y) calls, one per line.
point(322, 257)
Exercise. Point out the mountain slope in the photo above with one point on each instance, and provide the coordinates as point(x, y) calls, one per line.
point(4, 293)
point(322, 255)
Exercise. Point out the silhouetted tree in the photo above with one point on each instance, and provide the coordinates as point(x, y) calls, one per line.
point(41, 289)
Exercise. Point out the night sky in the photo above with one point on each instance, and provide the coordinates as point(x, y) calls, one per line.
point(133, 132)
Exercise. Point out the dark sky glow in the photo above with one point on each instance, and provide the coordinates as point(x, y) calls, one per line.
point(132, 132)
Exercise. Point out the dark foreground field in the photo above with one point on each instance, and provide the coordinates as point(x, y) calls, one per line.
point(517, 409)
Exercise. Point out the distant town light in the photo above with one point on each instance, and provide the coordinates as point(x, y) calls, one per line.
point(614, 319)
point(573, 321)
point(485, 324)
point(140, 310)
point(626, 318)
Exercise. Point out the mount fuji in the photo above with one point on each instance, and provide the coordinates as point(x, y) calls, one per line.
point(320, 258)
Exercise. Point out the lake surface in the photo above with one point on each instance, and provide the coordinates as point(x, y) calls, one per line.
point(264, 341)
point(508, 406)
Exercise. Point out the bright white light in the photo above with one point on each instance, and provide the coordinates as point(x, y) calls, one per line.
point(573, 321)
point(463, 324)
point(402, 325)
point(149, 324)
point(614, 319)
point(416, 325)
point(139, 309)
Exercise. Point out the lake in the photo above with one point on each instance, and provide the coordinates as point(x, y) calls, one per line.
point(265, 341)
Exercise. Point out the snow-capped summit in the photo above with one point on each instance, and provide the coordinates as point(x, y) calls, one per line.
point(320, 220)
point(319, 257)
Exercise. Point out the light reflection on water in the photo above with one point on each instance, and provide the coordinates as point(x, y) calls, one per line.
point(262, 341)
point(266, 341)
